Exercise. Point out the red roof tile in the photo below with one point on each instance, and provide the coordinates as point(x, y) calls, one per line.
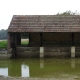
point(44, 23)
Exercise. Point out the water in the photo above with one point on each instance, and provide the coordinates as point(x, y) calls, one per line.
point(41, 68)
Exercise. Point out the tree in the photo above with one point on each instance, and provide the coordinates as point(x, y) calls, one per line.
point(3, 34)
point(67, 13)
point(25, 35)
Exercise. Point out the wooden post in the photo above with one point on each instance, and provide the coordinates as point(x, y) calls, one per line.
point(15, 39)
point(41, 52)
point(72, 35)
point(9, 41)
point(29, 39)
point(18, 38)
point(41, 48)
point(72, 47)
point(41, 39)
point(14, 44)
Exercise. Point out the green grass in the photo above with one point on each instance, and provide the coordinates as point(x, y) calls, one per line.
point(24, 42)
point(3, 44)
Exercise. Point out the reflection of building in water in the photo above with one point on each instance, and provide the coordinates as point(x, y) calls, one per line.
point(72, 63)
point(41, 63)
point(25, 70)
point(4, 71)
point(14, 69)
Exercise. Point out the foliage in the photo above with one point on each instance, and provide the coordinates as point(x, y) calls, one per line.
point(3, 34)
point(67, 13)
point(25, 35)
point(3, 43)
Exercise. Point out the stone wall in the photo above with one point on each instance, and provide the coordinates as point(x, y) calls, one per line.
point(48, 52)
point(27, 52)
point(4, 54)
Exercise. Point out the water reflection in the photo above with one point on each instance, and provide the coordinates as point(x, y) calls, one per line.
point(40, 67)
point(4, 71)
point(72, 63)
point(41, 63)
point(25, 70)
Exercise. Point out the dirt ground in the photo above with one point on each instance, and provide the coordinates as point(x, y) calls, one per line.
point(21, 40)
point(20, 78)
point(24, 39)
point(3, 40)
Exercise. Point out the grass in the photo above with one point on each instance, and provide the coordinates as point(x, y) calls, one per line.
point(24, 41)
point(3, 43)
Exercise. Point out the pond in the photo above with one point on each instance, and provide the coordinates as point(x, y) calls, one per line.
point(41, 68)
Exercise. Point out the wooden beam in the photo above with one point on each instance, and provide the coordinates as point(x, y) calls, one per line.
point(72, 35)
point(29, 39)
point(9, 41)
point(41, 37)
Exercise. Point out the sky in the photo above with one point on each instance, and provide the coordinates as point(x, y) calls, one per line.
point(8, 8)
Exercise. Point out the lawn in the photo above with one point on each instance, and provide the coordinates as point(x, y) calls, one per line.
point(24, 41)
point(3, 43)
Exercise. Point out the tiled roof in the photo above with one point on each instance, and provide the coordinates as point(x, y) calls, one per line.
point(44, 23)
